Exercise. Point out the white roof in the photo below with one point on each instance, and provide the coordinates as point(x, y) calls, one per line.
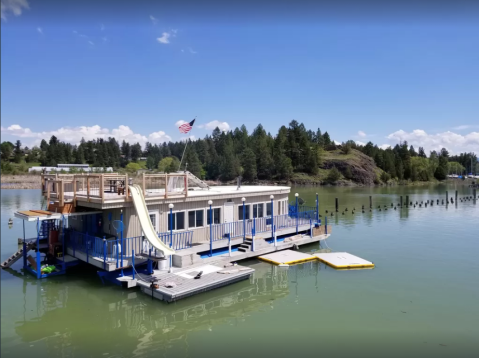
point(233, 189)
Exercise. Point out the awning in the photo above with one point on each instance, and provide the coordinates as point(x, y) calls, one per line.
point(34, 215)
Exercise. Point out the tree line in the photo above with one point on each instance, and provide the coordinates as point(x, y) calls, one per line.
point(224, 155)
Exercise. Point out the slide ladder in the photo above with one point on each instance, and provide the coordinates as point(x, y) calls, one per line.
point(16, 256)
point(145, 222)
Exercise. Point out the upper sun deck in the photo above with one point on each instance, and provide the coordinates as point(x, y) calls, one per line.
point(107, 190)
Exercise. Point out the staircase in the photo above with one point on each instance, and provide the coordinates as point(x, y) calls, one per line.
point(194, 180)
point(16, 256)
point(246, 246)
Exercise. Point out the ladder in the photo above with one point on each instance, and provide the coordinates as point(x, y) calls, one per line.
point(194, 179)
point(16, 256)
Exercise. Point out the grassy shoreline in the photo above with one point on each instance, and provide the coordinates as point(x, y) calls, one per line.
point(33, 181)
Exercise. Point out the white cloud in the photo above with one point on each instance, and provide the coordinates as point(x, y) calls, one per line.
point(453, 142)
point(359, 142)
point(384, 146)
point(224, 126)
point(153, 19)
point(336, 142)
point(180, 122)
point(466, 126)
point(191, 50)
point(13, 6)
point(191, 137)
point(40, 30)
point(91, 43)
point(164, 39)
point(361, 134)
point(75, 134)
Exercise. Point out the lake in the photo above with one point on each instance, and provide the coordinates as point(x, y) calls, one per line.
point(421, 300)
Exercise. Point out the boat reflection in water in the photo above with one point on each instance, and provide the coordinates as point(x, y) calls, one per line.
point(107, 321)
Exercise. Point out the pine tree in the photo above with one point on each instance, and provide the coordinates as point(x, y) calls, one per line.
point(194, 164)
point(18, 152)
point(248, 162)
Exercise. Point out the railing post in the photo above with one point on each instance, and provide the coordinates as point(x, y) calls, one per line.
point(310, 228)
point(127, 187)
point(150, 266)
point(317, 208)
point(133, 262)
point(24, 253)
point(272, 219)
point(144, 185)
point(253, 233)
point(211, 228)
point(274, 236)
point(39, 266)
point(117, 253)
point(104, 253)
point(102, 188)
point(121, 238)
point(326, 225)
point(244, 221)
point(297, 213)
point(229, 243)
point(171, 234)
point(88, 188)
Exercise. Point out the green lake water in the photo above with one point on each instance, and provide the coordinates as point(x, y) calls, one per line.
point(421, 300)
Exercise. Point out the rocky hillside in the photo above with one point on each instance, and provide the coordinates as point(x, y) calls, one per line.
point(355, 168)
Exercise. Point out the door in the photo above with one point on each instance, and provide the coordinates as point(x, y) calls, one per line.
point(228, 212)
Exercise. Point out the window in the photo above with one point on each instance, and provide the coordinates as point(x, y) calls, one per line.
point(258, 210)
point(153, 220)
point(196, 218)
point(178, 221)
point(246, 212)
point(216, 215)
point(268, 209)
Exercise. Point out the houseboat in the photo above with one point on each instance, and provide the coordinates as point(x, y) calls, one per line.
point(170, 227)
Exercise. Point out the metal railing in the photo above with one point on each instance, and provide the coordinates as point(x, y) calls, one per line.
point(178, 240)
point(259, 225)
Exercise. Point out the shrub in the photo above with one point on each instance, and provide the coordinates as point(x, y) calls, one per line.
point(385, 177)
point(333, 175)
point(347, 173)
point(132, 167)
point(346, 148)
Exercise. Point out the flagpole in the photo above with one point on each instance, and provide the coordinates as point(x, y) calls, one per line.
point(184, 150)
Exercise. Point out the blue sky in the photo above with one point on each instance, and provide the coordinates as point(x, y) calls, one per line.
point(135, 70)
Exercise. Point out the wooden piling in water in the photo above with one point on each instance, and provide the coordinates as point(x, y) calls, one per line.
point(456, 196)
point(401, 201)
point(407, 201)
point(337, 204)
point(370, 202)
point(447, 197)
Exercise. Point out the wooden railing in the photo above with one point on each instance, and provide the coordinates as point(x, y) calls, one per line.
point(111, 186)
point(165, 185)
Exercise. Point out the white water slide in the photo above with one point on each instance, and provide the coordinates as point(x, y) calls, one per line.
point(145, 222)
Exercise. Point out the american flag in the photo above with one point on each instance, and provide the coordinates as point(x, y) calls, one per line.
point(186, 127)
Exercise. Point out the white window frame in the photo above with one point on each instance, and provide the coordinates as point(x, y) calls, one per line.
point(157, 220)
point(174, 212)
point(264, 209)
point(205, 219)
point(212, 208)
point(247, 217)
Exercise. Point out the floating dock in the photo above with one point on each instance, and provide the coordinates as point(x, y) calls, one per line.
point(182, 283)
point(343, 260)
point(287, 257)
